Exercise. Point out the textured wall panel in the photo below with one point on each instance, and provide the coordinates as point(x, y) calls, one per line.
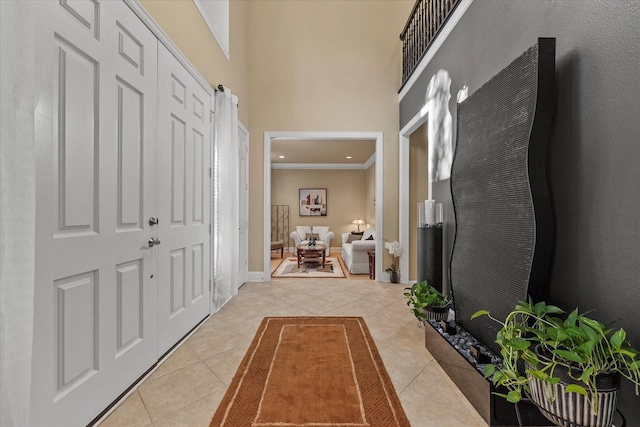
point(504, 226)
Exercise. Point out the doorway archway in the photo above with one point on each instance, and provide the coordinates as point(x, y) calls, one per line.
point(270, 136)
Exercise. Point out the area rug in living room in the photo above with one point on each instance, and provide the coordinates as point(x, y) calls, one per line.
point(311, 371)
point(289, 268)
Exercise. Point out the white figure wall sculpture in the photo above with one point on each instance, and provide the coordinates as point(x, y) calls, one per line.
point(440, 127)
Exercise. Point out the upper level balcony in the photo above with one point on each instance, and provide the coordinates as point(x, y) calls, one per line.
point(425, 22)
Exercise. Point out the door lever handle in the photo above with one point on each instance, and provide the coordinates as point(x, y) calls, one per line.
point(153, 242)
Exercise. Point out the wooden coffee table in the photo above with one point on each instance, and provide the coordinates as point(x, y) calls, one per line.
point(311, 254)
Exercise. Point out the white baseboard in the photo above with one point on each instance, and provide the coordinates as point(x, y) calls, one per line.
point(255, 276)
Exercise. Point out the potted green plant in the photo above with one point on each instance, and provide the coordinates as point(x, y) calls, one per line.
point(426, 302)
point(572, 364)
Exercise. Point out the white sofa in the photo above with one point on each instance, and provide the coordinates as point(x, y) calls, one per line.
point(299, 236)
point(354, 254)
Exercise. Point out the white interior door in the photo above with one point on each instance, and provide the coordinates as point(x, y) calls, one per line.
point(243, 205)
point(95, 325)
point(184, 162)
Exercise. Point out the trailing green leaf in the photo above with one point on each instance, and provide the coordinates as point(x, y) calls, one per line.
point(514, 396)
point(585, 346)
point(489, 369)
point(568, 355)
point(479, 313)
point(575, 388)
point(570, 321)
point(618, 338)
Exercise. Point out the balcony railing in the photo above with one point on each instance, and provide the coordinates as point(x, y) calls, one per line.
point(425, 21)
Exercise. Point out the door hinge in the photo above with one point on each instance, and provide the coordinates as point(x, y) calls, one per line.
point(209, 285)
point(209, 228)
point(211, 116)
point(210, 172)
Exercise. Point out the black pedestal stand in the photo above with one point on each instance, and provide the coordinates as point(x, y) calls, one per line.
point(430, 256)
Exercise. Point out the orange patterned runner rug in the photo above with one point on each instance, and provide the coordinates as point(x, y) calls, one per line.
point(311, 372)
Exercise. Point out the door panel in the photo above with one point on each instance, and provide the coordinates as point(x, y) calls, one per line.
point(198, 273)
point(177, 284)
point(130, 161)
point(198, 164)
point(95, 325)
point(87, 14)
point(130, 307)
point(177, 167)
point(76, 317)
point(77, 149)
point(184, 159)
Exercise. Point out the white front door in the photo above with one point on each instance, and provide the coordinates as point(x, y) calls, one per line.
point(184, 161)
point(95, 323)
point(243, 205)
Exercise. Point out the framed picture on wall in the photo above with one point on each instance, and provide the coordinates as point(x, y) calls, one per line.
point(313, 201)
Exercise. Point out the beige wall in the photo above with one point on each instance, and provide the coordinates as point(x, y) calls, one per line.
point(418, 189)
point(346, 197)
point(302, 66)
point(325, 66)
point(185, 26)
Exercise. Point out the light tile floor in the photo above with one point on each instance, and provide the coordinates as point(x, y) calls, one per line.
point(187, 388)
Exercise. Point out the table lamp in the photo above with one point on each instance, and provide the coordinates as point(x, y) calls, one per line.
point(359, 222)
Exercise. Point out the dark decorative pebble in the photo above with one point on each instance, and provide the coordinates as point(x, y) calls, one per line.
point(462, 342)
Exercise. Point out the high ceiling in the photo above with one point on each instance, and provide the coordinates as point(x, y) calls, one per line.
point(322, 151)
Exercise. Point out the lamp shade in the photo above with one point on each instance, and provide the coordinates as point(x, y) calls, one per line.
point(358, 222)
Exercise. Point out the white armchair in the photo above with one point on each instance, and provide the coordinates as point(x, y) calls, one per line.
point(354, 254)
point(302, 232)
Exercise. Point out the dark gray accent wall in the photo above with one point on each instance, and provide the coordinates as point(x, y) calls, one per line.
point(594, 148)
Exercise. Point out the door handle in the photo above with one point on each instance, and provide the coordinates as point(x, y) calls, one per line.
point(153, 242)
point(153, 221)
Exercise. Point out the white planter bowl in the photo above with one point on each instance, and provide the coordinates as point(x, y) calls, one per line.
point(572, 409)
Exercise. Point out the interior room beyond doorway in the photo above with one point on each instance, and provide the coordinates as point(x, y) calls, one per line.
point(320, 160)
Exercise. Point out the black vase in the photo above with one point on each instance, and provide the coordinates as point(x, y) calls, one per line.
point(394, 277)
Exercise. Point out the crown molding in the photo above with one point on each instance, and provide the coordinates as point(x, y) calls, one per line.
point(322, 165)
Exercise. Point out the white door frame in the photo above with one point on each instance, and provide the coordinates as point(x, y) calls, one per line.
point(269, 136)
point(244, 193)
point(404, 176)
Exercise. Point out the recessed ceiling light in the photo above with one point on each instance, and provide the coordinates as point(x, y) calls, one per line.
point(349, 157)
point(281, 157)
